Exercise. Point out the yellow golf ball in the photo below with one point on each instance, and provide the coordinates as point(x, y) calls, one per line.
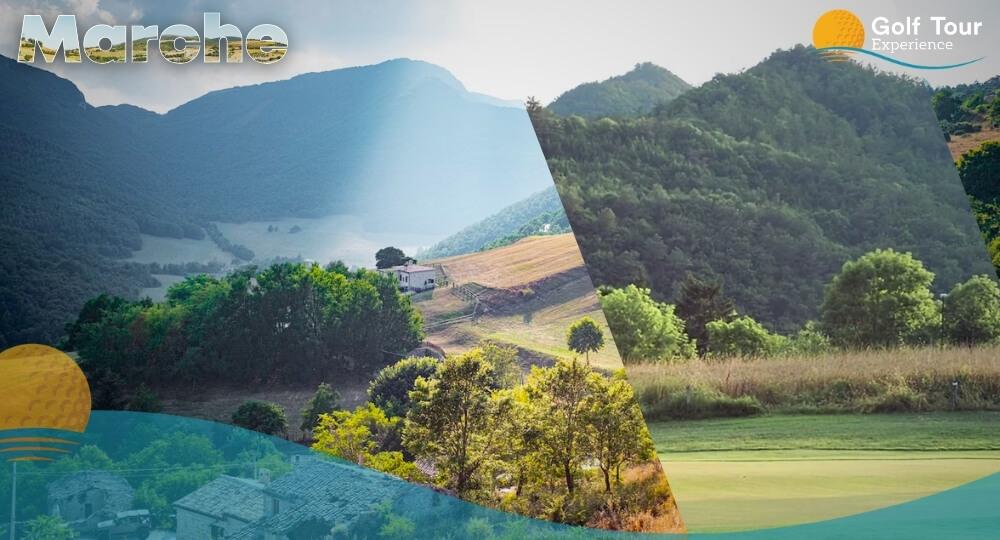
point(838, 28)
point(42, 387)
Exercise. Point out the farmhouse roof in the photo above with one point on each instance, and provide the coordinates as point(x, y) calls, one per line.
point(227, 495)
point(326, 490)
point(330, 491)
point(411, 268)
point(117, 491)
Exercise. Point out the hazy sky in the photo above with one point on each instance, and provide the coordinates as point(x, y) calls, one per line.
point(506, 48)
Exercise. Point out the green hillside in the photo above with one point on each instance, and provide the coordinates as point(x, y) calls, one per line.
point(770, 180)
point(539, 214)
point(635, 93)
point(82, 186)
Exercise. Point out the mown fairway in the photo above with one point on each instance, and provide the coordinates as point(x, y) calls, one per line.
point(781, 470)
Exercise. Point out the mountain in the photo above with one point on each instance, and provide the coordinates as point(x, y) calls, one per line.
point(400, 146)
point(541, 213)
point(769, 180)
point(382, 141)
point(634, 93)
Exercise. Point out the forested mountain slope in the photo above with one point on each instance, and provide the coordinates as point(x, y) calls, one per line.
point(635, 93)
point(541, 213)
point(401, 144)
point(770, 180)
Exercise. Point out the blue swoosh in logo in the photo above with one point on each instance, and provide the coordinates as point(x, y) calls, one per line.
point(895, 61)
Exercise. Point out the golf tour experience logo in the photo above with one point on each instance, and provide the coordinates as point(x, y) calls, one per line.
point(839, 33)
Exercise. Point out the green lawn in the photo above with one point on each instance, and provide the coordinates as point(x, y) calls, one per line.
point(780, 470)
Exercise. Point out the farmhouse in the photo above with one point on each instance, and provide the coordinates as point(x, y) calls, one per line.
point(307, 502)
point(87, 498)
point(413, 277)
point(220, 508)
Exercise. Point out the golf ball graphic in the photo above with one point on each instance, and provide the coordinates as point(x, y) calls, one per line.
point(43, 389)
point(838, 28)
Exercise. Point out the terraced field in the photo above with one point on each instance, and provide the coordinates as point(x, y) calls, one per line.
point(528, 294)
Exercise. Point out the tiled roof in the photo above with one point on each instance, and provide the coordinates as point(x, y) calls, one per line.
point(227, 495)
point(410, 268)
point(334, 492)
point(117, 490)
point(331, 491)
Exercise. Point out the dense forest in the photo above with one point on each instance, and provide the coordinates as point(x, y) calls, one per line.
point(80, 184)
point(635, 93)
point(289, 323)
point(768, 181)
point(70, 212)
point(969, 115)
point(541, 213)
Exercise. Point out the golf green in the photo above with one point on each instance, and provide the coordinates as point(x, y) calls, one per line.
point(782, 470)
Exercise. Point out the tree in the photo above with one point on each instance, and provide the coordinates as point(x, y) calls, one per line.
point(502, 359)
point(643, 328)
point(701, 302)
point(48, 528)
point(356, 435)
point(980, 172)
point(971, 312)
point(267, 418)
point(560, 394)
point(522, 428)
point(808, 341)
point(994, 110)
point(390, 389)
point(618, 430)
point(881, 299)
point(289, 323)
point(742, 336)
point(585, 336)
point(145, 400)
point(947, 107)
point(453, 421)
point(388, 257)
point(395, 463)
point(325, 400)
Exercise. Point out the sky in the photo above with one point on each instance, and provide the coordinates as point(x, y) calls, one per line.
point(509, 49)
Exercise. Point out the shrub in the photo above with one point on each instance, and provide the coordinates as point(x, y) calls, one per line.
point(325, 400)
point(643, 328)
point(895, 399)
point(666, 400)
point(971, 312)
point(742, 336)
point(390, 389)
point(267, 418)
point(145, 400)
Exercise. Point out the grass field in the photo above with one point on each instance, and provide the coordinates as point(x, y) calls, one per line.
point(536, 288)
point(219, 404)
point(960, 144)
point(517, 265)
point(752, 473)
point(178, 250)
point(901, 380)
